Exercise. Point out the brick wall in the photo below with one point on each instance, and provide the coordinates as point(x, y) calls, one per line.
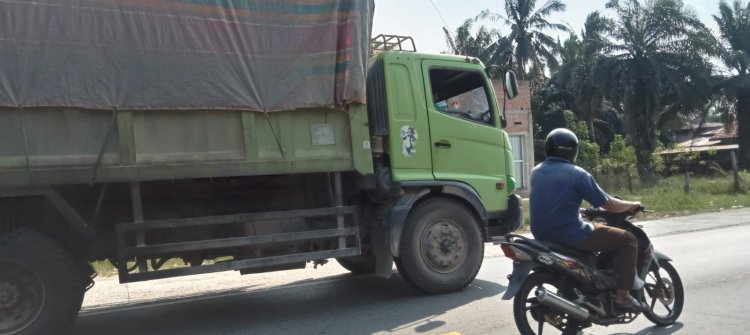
point(517, 110)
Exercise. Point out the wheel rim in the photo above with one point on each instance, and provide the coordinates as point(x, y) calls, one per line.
point(540, 318)
point(444, 246)
point(660, 294)
point(22, 296)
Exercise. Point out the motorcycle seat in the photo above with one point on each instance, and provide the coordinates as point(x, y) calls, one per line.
point(565, 249)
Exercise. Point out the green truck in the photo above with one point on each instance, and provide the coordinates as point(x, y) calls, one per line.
point(412, 168)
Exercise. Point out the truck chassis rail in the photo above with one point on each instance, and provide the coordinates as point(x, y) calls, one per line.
point(125, 252)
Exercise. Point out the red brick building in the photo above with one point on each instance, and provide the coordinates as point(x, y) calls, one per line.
point(520, 130)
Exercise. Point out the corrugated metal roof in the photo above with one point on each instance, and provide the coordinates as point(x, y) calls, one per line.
point(700, 149)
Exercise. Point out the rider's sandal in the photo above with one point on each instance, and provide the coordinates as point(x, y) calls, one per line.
point(632, 304)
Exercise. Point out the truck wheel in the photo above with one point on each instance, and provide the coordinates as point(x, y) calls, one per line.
point(362, 264)
point(40, 285)
point(441, 247)
point(402, 271)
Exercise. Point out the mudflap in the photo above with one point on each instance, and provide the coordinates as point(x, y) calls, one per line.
point(515, 212)
point(515, 280)
point(381, 249)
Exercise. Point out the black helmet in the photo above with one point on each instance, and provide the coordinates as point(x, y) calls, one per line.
point(562, 143)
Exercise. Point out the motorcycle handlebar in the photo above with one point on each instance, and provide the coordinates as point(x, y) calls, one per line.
point(611, 218)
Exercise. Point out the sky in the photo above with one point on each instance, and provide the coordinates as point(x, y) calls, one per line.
point(420, 20)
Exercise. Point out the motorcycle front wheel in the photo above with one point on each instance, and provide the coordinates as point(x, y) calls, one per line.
point(664, 294)
point(533, 318)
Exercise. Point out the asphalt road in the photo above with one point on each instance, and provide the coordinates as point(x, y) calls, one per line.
point(710, 251)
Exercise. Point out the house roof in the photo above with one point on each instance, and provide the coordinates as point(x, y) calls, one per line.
point(700, 149)
point(724, 133)
point(698, 142)
point(709, 137)
point(707, 134)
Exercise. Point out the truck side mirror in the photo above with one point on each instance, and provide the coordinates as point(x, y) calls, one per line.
point(511, 86)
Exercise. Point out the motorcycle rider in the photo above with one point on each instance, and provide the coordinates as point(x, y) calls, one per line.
point(557, 189)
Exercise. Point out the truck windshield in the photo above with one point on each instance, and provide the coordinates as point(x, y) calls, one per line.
point(461, 93)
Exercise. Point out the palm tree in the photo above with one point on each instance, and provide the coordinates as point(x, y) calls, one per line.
point(734, 24)
point(487, 44)
point(530, 44)
point(574, 77)
point(656, 68)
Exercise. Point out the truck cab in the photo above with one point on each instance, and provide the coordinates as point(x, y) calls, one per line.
point(438, 138)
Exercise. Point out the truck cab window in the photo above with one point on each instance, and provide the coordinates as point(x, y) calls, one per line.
point(462, 94)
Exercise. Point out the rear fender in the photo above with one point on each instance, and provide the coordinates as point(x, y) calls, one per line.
point(661, 256)
point(653, 263)
point(516, 279)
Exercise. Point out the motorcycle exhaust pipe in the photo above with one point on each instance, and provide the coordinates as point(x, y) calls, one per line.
point(562, 305)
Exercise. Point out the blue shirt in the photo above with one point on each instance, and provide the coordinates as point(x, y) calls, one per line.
point(557, 190)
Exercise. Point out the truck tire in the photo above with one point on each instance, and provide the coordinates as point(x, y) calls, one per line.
point(441, 248)
point(40, 285)
point(402, 271)
point(362, 264)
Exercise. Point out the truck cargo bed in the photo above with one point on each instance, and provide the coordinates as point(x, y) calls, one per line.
point(47, 146)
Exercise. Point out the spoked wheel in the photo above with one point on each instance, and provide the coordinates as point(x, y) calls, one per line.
point(533, 318)
point(664, 294)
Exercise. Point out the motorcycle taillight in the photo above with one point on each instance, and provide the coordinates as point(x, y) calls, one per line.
point(514, 253)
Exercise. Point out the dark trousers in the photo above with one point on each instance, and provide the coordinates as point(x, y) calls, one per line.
point(622, 244)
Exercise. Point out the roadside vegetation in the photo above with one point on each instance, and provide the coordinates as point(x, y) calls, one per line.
point(668, 196)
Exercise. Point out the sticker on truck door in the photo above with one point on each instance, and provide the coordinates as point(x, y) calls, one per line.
point(409, 139)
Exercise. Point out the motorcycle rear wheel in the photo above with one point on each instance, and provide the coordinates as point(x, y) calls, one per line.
point(531, 316)
point(664, 294)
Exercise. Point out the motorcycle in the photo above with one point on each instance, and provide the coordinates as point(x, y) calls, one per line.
point(571, 289)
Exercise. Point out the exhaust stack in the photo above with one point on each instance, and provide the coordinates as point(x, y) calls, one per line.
point(561, 304)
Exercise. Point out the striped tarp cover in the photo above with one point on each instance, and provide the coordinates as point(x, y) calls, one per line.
point(267, 55)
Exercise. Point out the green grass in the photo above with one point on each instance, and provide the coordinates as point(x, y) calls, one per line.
point(706, 194)
point(104, 268)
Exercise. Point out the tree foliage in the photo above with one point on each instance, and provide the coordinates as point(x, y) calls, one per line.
point(532, 48)
point(656, 67)
point(489, 45)
point(572, 85)
point(620, 157)
point(734, 24)
point(588, 152)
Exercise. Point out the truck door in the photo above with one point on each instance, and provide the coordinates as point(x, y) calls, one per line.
point(468, 143)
